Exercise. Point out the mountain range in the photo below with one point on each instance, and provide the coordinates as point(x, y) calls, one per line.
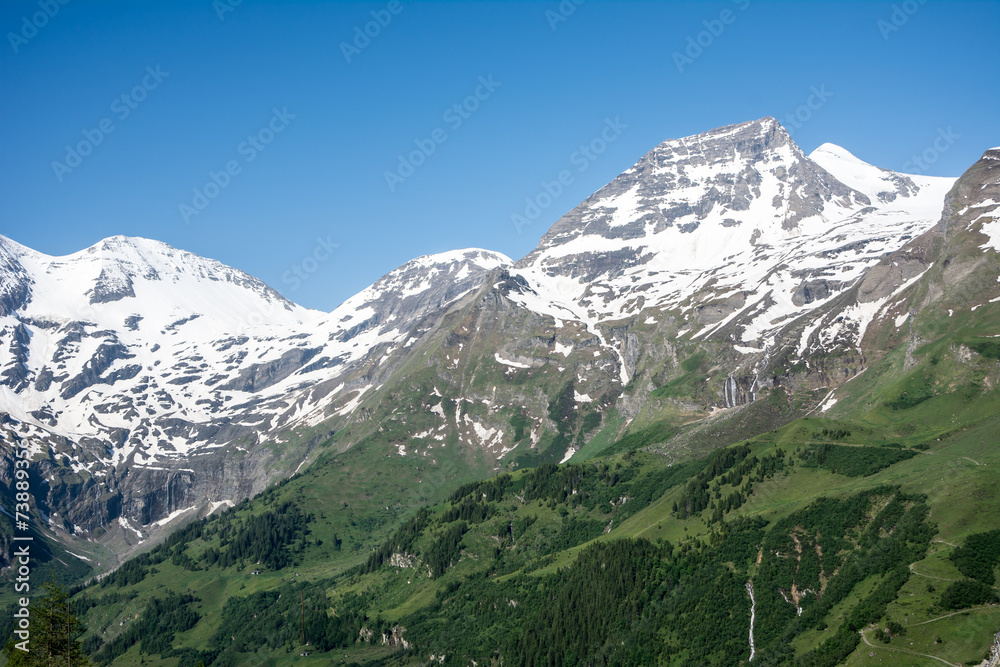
point(724, 285)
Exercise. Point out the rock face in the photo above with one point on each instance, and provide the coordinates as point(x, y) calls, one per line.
point(154, 385)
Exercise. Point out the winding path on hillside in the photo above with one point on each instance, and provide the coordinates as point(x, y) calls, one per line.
point(954, 613)
point(995, 658)
point(928, 576)
point(903, 650)
point(949, 456)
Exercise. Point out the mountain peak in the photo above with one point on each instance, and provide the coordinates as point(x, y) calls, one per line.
point(121, 275)
point(479, 256)
point(834, 150)
point(119, 242)
point(730, 220)
point(879, 185)
point(750, 139)
point(764, 125)
point(699, 199)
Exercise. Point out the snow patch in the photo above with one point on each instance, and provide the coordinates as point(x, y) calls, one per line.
point(512, 364)
point(128, 526)
point(216, 505)
point(992, 230)
point(173, 515)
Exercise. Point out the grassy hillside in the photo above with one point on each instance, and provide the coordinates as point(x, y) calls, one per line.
point(621, 559)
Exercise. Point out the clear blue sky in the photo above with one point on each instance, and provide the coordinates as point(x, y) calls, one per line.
point(888, 93)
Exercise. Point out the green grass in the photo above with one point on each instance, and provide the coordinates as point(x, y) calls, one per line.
point(611, 426)
point(959, 491)
point(965, 637)
point(810, 639)
point(956, 473)
point(359, 495)
point(685, 385)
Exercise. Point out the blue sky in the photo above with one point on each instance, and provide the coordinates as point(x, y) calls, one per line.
point(300, 130)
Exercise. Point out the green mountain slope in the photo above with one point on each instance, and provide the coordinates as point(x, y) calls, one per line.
point(854, 521)
point(592, 562)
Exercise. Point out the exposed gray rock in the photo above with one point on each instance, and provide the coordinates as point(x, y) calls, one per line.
point(111, 287)
point(885, 278)
point(711, 313)
point(106, 355)
point(16, 373)
point(261, 376)
point(809, 291)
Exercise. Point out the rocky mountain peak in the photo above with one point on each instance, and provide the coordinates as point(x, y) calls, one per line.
point(755, 140)
point(396, 300)
point(735, 230)
point(123, 276)
point(700, 199)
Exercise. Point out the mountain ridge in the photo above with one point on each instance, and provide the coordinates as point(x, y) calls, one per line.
point(265, 395)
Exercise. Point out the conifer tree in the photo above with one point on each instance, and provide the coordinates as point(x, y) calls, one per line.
point(55, 633)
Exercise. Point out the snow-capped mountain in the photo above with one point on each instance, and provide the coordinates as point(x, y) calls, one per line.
point(132, 358)
point(154, 384)
point(132, 332)
point(736, 222)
